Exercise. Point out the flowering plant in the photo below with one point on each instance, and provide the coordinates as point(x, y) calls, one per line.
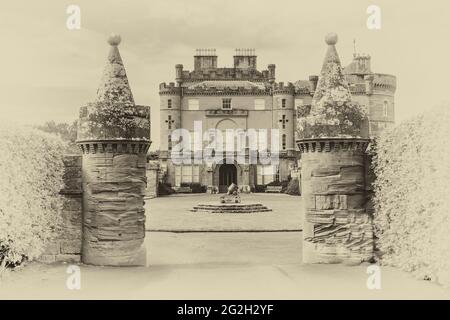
point(332, 118)
point(332, 113)
point(114, 120)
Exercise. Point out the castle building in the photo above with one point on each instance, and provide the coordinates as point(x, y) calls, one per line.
point(243, 97)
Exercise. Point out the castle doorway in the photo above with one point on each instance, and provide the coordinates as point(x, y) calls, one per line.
point(227, 176)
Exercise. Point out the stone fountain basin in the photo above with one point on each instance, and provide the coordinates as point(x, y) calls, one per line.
point(214, 207)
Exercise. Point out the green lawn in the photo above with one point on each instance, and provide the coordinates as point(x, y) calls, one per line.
point(172, 213)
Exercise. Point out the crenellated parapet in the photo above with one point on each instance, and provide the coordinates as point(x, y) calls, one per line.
point(228, 91)
point(357, 88)
point(169, 89)
point(205, 68)
point(360, 84)
point(385, 82)
point(114, 146)
point(305, 87)
point(332, 145)
point(282, 88)
point(362, 81)
point(225, 74)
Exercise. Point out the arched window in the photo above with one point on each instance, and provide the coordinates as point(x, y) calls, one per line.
point(385, 109)
point(283, 142)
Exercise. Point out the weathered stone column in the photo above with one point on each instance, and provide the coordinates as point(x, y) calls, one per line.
point(336, 226)
point(333, 139)
point(113, 134)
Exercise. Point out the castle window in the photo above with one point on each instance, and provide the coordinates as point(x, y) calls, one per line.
point(385, 109)
point(283, 121)
point(283, 103)
point(181, 144)
point(187, 174)
point(196, 174)
point(169, 104)
point(283, 142)
point(260, 104)
point(177, 176)
point(193, 104)
point(169, 122)
point(191, 133)
point(226, 103)
point(169, 142)
point(266, 174)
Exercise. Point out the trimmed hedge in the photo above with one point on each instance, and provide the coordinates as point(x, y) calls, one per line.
point(164, 189)
point(293, 187)
point(260, 188)
point(194, 186)
point(31, 170)
point(412, 188)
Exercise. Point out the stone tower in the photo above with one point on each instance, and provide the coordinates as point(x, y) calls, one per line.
point(114, 136)
point(374, 91)
point(283, 108)
point(170, 115)
point(337, 227)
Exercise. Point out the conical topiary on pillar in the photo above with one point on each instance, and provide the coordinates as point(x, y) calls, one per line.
point(332, 137)
point(114, 136)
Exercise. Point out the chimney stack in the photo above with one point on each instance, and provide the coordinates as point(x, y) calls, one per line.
point(205, 59)
point(245, 59)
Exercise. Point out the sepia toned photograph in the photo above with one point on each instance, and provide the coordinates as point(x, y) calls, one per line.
point(210, 150)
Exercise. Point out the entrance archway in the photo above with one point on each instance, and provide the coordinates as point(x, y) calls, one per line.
point(227, 176)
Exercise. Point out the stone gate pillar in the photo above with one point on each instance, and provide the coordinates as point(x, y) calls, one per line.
point(113, 134)
point(153, 170)
point(337, 228)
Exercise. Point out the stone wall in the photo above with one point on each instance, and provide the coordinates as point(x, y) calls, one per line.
point(152, 179)
point(337, 227)
point(114, 183)
point(67, 247)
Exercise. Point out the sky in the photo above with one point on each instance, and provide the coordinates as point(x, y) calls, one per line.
point(49, 71)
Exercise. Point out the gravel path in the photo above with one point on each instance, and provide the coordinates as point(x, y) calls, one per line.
point(221, 265)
